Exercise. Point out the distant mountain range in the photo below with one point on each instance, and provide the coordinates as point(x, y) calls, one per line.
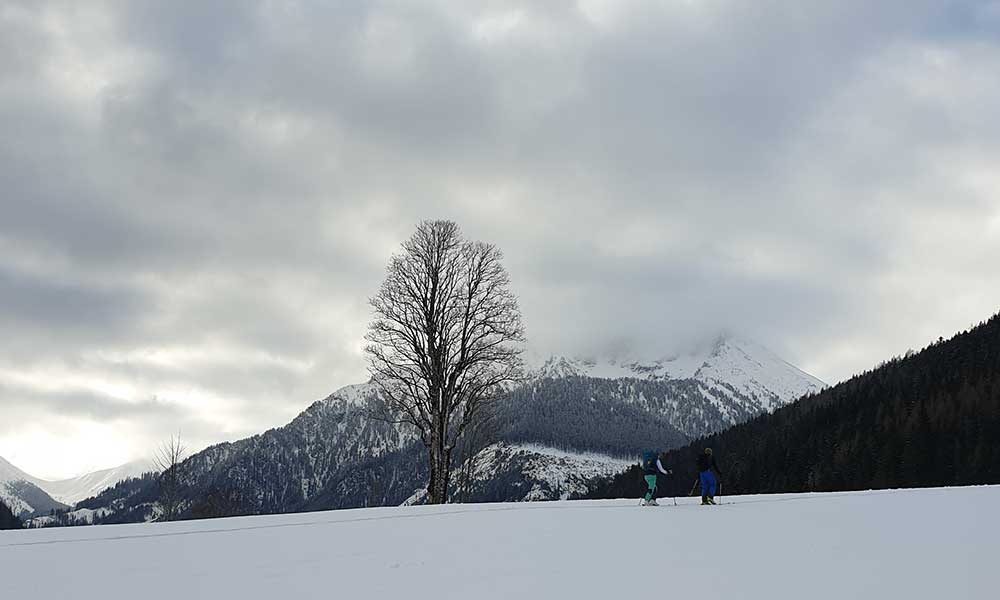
point(27, 495)
point(574, 423)
point(737, 376)
point(930, 418)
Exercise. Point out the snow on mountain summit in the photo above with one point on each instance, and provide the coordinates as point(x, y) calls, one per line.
point(756, 373)
point(355, 394)
point(729, 366)
point(71, 491)
point(9, 472)
point(22, 490)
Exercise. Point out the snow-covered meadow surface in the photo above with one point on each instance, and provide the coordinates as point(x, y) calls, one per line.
point(906, 544)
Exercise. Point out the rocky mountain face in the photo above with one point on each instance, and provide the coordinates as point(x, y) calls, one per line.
point(332, 442)
point(574, 423)
point(22, 494)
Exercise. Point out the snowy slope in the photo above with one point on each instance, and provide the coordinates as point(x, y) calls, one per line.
point(11, 496)
point(70, 491)
point(755, 372)
point(357, 394)
point(20, 492)
point(9, 472)
point(529, 472)
point(913, 544)
point(79, 488)
point(741, 364)
point(729, 371)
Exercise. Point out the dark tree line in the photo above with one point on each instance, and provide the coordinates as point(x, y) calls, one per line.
point(600, 415)
point(926, 419)
point(8, 520)
point(133, 487)
point(131, 500)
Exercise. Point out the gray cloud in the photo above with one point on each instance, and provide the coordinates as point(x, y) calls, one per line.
point(198, 198)
point(81, 404)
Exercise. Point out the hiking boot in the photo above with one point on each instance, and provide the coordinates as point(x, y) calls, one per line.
point(711, 500)
point(704, 501)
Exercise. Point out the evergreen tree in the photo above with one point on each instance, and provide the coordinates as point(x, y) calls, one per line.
point(8, 520)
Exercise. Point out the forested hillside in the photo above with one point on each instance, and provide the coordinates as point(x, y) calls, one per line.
point(927, 419)
point(632, 413)
point(7, 518)
point(128, 501)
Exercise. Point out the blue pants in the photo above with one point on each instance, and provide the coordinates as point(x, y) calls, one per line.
point(707, 483)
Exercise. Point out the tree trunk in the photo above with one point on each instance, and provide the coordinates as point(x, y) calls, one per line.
point(443, 477)
point(431, 485)
point(440, 459)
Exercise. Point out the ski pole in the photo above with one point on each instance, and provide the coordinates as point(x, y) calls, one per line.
point(720, 491)
point(691, 493)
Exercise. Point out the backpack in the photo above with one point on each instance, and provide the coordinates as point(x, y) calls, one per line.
point(649, 460)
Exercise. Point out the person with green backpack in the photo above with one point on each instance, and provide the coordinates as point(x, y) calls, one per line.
point(652, 466)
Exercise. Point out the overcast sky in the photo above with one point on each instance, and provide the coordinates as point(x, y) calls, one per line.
point(197, 198)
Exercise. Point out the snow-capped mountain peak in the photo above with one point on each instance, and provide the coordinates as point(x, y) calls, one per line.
point(755, 372)
point(673, 366)
point(727, 354)
point(20, 492)
point(356, 394)
point(9, 472)
point(25, 493)
point(71, 491)
point(730, 366)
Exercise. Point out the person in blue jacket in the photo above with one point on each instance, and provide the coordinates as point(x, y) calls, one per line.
point(652, 465)
point(707, 471)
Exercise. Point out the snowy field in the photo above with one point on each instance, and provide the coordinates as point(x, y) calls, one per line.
point(906, 544)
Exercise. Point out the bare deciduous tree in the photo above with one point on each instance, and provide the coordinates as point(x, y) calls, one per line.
point(445, 339)
point(168, 459)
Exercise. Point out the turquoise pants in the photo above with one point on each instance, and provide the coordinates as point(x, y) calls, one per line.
point(651, 482)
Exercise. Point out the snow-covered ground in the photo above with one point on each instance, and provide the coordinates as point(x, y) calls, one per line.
point(906, 544)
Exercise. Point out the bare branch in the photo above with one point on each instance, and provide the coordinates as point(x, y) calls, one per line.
point(169, 459)
point(445, 339)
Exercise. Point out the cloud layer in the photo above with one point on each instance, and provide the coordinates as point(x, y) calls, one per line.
point(198, 198)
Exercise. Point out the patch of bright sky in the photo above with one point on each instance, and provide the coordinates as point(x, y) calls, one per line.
point(85, 61)
point(77, 447)
point(495, 26)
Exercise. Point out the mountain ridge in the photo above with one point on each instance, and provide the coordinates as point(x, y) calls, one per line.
point(333, 455)
point(27, 494)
